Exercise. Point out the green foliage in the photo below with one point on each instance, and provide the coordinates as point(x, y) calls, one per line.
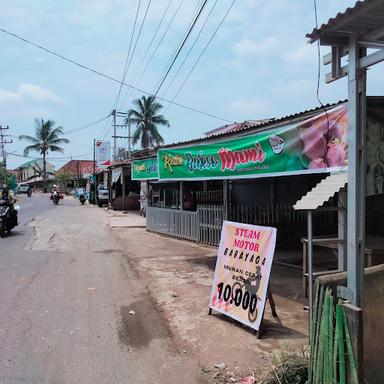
point(147, 121)
point(47, 138)
point(63, 178)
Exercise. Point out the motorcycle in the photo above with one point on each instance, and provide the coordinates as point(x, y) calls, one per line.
point(55, 197)
point(8, 217)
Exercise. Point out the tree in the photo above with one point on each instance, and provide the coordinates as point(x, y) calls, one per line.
point(62, 178)
point(47, 138)
point(147, 121)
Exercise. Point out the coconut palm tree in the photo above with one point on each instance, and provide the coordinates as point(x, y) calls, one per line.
point(47, 138)
point(147, 121)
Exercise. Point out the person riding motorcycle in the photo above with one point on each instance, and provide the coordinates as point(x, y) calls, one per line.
point(7, 196)
point(55, 191)
point(55, 188)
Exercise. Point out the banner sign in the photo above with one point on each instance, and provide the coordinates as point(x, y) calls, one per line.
point(243, 266)
point(318, 144)
point(102, 153)
point(116, 174)
point(144, 169)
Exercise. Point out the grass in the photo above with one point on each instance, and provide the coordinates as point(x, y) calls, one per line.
point(287, 368)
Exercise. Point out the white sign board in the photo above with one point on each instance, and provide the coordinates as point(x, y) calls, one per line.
point(243, 266)
point(102, 152)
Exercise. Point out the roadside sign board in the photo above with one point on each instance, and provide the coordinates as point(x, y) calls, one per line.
point(102, 153)
point(315, 145)
point(240, 283)
point(144, 169)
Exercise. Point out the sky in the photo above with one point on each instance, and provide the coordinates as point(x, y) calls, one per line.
point(258, 65)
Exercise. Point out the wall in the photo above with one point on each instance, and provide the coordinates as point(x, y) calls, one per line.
point(278, 190)
point(373, 319)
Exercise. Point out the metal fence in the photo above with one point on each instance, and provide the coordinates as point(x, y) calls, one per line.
point(210, 221)
point(276, 214)
point(182, 224)
point(204, 225)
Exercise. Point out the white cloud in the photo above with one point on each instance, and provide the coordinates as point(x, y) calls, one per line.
point(27, 93)
point(248, 47)
point(251, 108)
point(294, 88)
point(304, 54)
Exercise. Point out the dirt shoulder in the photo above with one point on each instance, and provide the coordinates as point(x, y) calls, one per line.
point(178, 276)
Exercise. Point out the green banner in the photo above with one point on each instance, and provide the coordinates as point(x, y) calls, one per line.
point(318, 144)
point(144, 169)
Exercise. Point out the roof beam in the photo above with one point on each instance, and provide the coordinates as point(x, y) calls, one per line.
point(371, 44)
point(343, 71)
point(374, 35)
point(371, 59)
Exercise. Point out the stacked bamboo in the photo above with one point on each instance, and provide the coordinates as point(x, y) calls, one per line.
point(330, 344)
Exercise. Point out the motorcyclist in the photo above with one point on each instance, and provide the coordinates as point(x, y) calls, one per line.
point(55, 188)
point(7, 196)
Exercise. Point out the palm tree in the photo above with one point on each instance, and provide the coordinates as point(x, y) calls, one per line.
point(147, 120)
point(47, 138)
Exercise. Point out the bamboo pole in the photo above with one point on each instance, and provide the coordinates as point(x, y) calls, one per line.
point(352, 362)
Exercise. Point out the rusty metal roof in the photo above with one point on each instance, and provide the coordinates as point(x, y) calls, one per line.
point(322, 192)
point(248, 129)
point(363, 17)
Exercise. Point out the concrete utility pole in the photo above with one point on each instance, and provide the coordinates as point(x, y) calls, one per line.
point(116, 114)
point(114, 134)
point(3, 141)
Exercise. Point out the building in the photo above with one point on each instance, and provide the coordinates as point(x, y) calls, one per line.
point(32, 171)
point(78, 172)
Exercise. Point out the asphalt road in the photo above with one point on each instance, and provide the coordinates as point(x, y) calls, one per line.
point(72, 308)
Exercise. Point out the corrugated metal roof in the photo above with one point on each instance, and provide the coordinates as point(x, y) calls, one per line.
point(322, 192)
point(362, 18)
point(258, 127)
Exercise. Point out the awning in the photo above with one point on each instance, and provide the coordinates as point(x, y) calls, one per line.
point(322, 192)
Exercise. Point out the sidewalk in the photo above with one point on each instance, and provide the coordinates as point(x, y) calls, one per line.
point(178, 276)
point(129, 219)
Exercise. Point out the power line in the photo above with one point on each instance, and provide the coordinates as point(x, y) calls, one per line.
point(198, 5)
point(111, 78)
point(181, 46)
point(138, 37)
point(156, 31)
point(149, 47)
point(190, 49)
point(48, 158)
point(86, 126)
point(125, 70)
point(201, 54)
point(139, 34)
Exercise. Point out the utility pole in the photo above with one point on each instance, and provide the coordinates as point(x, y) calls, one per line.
point(3, 141)
point(114, 135)
point(116, 114)
point(94, 172)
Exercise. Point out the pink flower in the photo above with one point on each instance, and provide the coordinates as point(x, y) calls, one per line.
point(317, 163)
point(335, 155)
point(314, 143)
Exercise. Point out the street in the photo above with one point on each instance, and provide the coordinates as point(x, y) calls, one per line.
point(72, 310)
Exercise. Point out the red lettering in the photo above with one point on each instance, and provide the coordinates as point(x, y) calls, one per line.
point(230, 159)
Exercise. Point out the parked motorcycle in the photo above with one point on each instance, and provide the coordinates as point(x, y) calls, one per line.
point(8, 217)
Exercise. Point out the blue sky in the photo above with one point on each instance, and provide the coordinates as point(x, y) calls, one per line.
point(258, 65)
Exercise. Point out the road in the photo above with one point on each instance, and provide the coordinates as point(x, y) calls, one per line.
point(73, 309)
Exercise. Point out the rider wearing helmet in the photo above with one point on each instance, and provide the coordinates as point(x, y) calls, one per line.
point(7, 196)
